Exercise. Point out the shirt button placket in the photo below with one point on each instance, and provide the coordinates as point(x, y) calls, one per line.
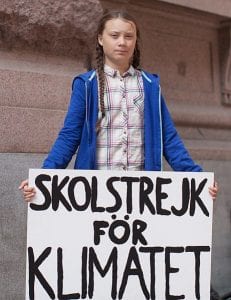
point(125, 123)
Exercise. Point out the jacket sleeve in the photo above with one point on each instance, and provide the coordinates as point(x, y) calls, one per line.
point(69, 136)
point(173, 148)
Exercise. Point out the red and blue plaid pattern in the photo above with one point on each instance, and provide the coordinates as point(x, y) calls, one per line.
point(120, 139)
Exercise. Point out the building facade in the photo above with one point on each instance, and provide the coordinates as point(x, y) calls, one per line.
point(44, 44)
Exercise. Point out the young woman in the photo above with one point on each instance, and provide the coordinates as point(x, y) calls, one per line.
point(117, 118)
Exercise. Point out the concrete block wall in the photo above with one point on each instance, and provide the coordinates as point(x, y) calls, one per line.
point(34, 91)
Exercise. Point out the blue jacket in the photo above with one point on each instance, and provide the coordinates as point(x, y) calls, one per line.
point(78, 133)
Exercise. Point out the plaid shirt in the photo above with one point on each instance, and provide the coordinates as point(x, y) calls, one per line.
point(120, 140)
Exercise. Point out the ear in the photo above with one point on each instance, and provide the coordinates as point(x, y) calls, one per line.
point(100, 40)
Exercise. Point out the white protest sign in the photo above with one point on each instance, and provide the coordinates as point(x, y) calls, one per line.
point(119, 235)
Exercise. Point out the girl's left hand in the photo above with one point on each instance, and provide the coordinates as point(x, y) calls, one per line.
point(213, 191)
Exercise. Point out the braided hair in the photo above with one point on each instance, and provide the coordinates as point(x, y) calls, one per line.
point(100, 53)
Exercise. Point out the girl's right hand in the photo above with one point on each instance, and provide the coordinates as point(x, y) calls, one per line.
point(28, 192)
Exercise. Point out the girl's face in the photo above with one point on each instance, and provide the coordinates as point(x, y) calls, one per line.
point(118, 41)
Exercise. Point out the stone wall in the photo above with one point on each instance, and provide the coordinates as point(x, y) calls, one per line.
point(44, 44)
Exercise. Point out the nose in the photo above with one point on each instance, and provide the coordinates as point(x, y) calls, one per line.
point(122, 40)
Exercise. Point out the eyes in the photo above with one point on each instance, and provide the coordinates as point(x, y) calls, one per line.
point(126, 36)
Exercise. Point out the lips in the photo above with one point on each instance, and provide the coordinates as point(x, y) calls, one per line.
point(121, 51)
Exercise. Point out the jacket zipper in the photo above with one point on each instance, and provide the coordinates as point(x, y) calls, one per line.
point(161, 133)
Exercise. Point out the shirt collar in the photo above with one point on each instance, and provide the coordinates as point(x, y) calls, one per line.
point(113, 73)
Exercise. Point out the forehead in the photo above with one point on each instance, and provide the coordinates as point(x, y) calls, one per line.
point(120, 25)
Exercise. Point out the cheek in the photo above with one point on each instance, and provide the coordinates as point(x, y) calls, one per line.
point(108, 44)
point(132, 47)
point(107, 47)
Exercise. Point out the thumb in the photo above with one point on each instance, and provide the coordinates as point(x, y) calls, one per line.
point(23, 183)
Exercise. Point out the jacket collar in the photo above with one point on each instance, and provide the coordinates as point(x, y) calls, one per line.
point(113, 72)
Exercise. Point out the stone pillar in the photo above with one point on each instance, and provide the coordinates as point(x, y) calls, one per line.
point(43, 45)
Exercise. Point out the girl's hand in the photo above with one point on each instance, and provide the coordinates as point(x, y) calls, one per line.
point(213, 191)
point(28, 192)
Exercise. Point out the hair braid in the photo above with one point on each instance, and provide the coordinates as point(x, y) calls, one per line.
point(100, 72)
point(136, 57)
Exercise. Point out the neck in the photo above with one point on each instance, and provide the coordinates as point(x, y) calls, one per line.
point(121, 68)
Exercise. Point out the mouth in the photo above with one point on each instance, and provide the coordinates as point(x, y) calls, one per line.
point(121, 51)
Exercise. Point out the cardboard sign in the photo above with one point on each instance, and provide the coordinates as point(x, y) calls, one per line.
point(119, 235)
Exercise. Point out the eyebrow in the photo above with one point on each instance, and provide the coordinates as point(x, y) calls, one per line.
point(116, 31)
